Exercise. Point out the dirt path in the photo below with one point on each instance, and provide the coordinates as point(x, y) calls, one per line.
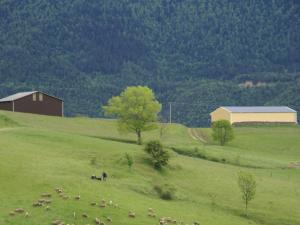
point(195, 135)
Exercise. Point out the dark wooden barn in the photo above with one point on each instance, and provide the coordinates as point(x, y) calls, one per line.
point(33, 102)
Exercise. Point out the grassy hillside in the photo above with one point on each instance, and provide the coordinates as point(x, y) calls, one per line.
point(258, 147)
point(41, 153)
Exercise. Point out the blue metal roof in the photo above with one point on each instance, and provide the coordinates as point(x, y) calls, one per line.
point(259, 109)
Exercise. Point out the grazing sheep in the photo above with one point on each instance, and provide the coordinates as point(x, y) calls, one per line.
point(77, 197)
point(27, 214)
point(61, 195)
point(65, 197)
point(48, 208)
point(84, 215)
point(97, 221)
point(41, 200)
point(19, 210)
point(131, 214)
point(46, 195)
point(110, 202)
point(116, 206)
point(47, 201)
point(150, 210)
point(102, 205)
point(109, 219)
point(59, 190)
point(93, 177)
point(93, 203)
point(12, 213)
point(152, 214)
point(102, 223)
point(164, 220)
point(56, 222)
point(168, 219)
point(37, 204)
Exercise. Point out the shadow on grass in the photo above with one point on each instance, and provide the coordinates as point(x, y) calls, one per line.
point(260, 218)
point(115, 139)
point(6, 122)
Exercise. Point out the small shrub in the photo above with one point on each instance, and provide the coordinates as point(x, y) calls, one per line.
point(214, 159)
point(129, 160)
point(202, 154)
point(94, 161)
point(237, 160)
point(165, 191)
point(7, 122)
point(213, 202)
point(160, 157)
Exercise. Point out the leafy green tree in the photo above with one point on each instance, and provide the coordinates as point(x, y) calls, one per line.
point(160, 157)
point(222, 131)
point(247, 185)
point(136, 109)
point(129, 160)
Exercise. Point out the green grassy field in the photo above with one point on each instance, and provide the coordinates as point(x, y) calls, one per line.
point(40, 153)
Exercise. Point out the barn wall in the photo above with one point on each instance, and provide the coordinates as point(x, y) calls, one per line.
point(49, 106)
point(6, 106)
point(264, 117)
point(220, 114)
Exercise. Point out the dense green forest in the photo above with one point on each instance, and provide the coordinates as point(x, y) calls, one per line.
point(198, 54)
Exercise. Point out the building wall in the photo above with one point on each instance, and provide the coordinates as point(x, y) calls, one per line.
point(48, 106)
point(264, 117)
point(6, 106)
point(220, 114)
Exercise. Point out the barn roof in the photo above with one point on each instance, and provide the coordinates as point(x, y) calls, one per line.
point(21, 95)
point(259, 109)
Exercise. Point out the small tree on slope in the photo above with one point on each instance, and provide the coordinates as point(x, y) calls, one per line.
point(247, 185)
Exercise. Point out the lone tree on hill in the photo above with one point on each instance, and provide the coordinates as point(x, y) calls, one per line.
point(247, 185)
point(222, 131)
point(136, 109)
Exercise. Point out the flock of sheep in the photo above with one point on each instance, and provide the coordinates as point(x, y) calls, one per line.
point(46, 201)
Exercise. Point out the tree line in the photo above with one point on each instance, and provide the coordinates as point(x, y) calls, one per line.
point(187, 51)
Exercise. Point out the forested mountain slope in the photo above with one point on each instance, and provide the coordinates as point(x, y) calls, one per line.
point(196, 52)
